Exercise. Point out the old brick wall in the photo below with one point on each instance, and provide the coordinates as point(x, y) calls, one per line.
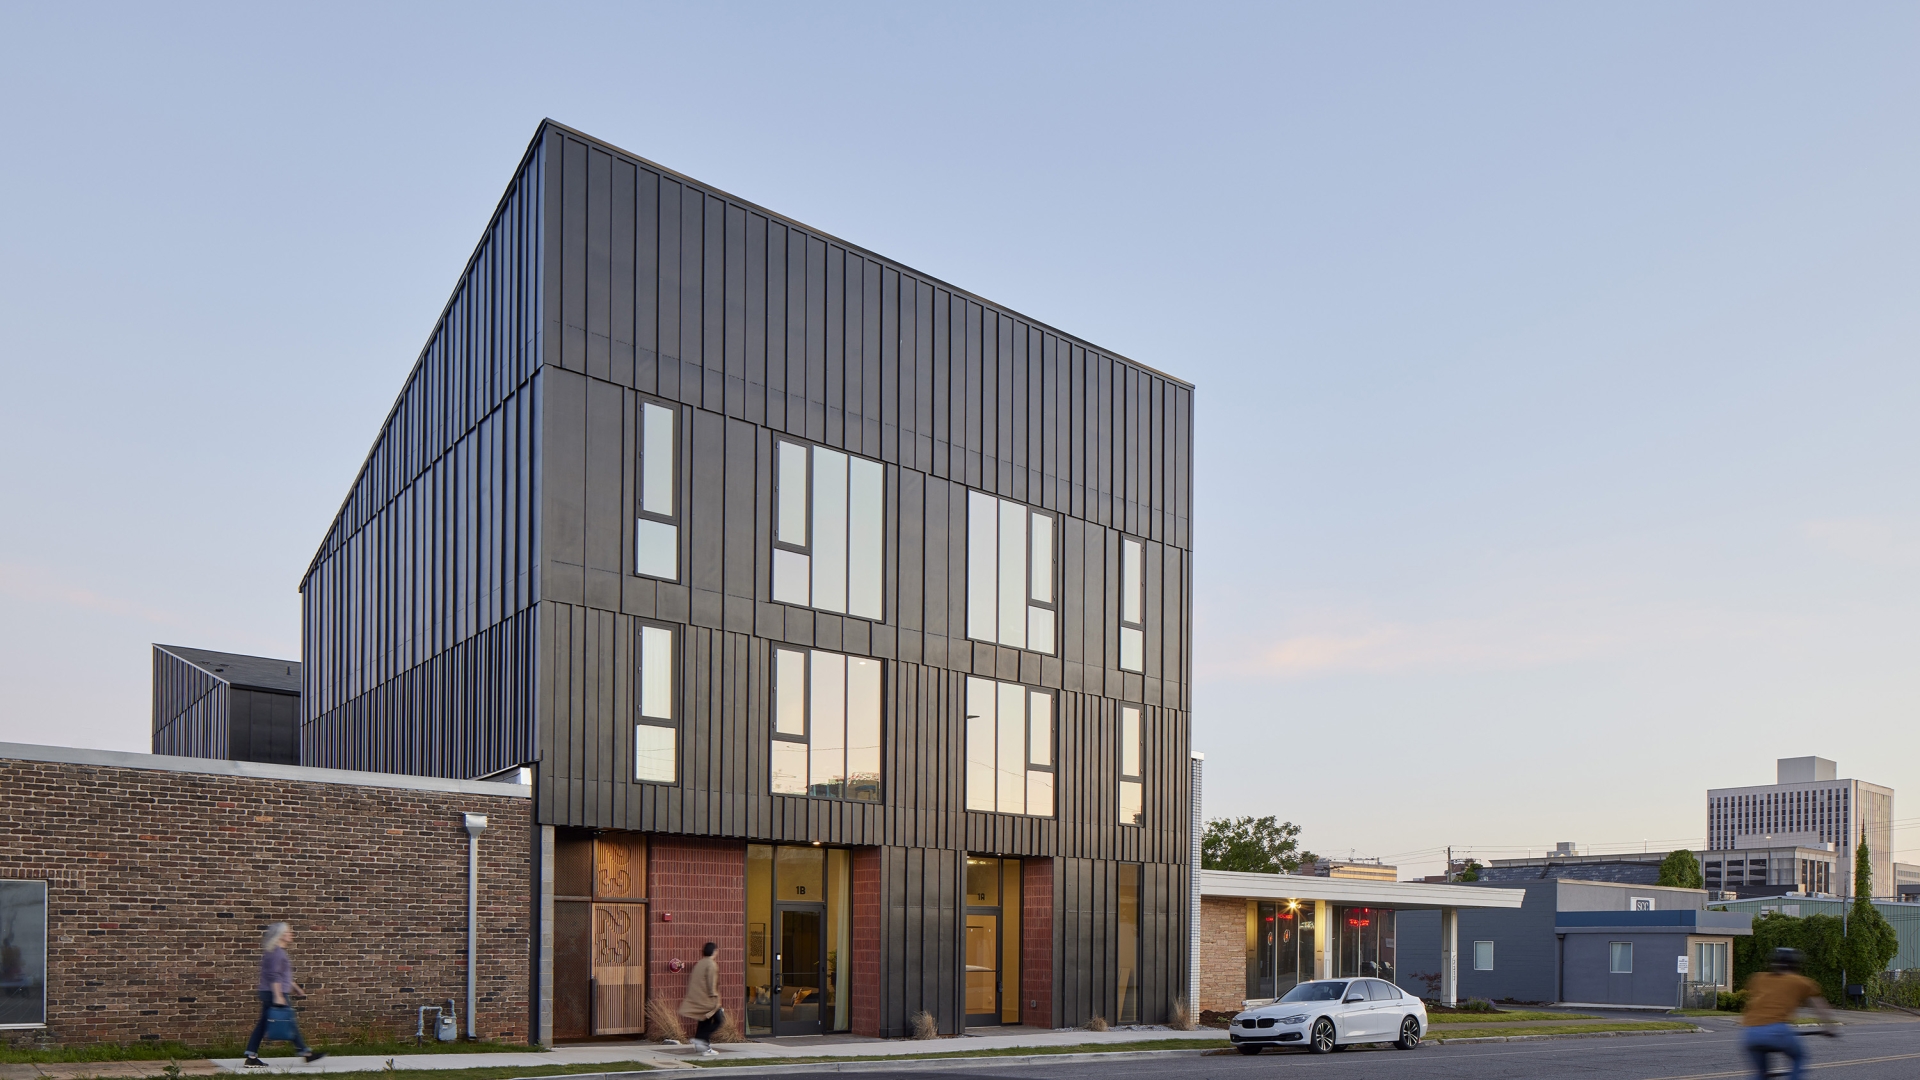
point(160, 883)
point(1036, 942)
point(1223, 953)
point(863, 1014)
point(697, 892)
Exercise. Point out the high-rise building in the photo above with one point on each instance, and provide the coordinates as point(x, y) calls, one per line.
point(1807, 806)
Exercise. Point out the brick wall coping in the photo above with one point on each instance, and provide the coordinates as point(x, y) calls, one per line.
point(70, 755)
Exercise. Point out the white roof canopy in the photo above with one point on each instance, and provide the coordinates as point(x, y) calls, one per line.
point(1357, 892)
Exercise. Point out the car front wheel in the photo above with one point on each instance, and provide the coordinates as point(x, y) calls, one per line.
point(1409, 1034)
point(1321, 1040)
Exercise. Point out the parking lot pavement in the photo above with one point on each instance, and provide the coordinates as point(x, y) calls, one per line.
point(1867, 1050)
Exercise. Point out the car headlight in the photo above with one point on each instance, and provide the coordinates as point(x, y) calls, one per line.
point(1297, 1018)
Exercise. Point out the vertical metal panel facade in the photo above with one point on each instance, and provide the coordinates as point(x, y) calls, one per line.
point(190, 709)
point(418, 624)
point(652, 289)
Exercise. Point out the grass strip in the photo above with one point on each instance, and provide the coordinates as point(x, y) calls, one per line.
point(174, 1051)
point(1559, 1029)
point(1503, 1017)
point(489, 1072)
point(1006, 1051)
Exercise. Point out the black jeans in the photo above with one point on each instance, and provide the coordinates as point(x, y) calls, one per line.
point(260, 1027)
point(704, 1029)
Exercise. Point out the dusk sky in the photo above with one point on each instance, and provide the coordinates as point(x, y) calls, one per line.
point(1558, 368)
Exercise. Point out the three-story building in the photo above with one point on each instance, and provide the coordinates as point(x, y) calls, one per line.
point(836, 614)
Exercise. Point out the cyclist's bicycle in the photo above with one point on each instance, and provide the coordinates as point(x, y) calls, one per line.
point(1786, 1069)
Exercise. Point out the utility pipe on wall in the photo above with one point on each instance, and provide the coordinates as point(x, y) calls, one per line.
point(476, 824)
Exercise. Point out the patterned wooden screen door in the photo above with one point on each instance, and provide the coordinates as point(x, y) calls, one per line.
point(619, 937)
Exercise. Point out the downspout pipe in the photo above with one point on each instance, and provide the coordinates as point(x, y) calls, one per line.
point(476, 824)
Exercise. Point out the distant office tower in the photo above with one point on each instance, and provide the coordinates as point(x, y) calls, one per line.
point(1806, 806)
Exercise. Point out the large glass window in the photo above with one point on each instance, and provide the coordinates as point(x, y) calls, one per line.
point(1010, 755)
point(1132, 789)
point(829, 527)
point(1133, 605)
point(656, 735)
point(799, 934)
point(1279, 946)
point(23, 953)
point(1365, 943)
point(826, 725)
point(657, 532)
point(1010, 567)
point(1127, 973)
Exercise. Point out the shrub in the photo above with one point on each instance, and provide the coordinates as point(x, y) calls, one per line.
point(1098, 1023)
point(1732, 1002)
point(1477, 1005)
point(1900, 988)
point(1179, 1019)
point(664, 1021)
point(728, 1031)
point(924, 1025)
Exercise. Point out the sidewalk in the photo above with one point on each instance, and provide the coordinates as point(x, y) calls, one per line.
point(663, 1056)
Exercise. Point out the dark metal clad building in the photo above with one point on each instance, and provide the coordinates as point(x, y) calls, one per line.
point(225, 705)
point(849, 603)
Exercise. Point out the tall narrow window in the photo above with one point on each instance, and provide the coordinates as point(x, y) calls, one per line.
point(829, 528)
point(657, 531)
point(1127, 971)
point(1132, 798)
point(1010, 568)
point(1010, 765)
point(1133, 596)
point(23, 963)
point(826, 725)
point(656, 735)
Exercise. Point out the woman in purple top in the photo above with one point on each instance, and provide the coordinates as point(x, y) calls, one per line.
point(276, 982)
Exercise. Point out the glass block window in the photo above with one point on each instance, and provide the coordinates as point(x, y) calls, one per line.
point(657, 531)
point(1010, 754)
point(1010, 568)
point(826, 725)
point(829, 528)
point(656, 734)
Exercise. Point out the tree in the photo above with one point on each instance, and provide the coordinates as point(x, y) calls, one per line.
point(1681, 870)
point(1819, 938)
point(1470, 872)
point(1253, 845)
point(1871, 942)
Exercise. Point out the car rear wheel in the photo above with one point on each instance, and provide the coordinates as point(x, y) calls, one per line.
point(1409, 1034)
point(1249, 1049)
point(1321, 1040)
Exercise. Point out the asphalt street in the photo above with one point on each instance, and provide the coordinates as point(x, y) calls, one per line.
point(1885, 1051)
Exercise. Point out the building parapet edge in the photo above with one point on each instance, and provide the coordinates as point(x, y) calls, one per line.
point(71, 755)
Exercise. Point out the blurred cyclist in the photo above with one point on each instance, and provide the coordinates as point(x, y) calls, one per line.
point(1772, 999)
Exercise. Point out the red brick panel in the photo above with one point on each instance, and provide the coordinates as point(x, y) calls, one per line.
point(1223, 953)
point(698, 893)
point(1036, 942)
point(864, 1011)
point(159, 884)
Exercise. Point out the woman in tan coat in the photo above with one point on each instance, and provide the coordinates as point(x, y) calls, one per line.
point(702, 1003)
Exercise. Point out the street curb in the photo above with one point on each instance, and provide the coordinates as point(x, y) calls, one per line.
point(1443, 1041)
point(897, 1064)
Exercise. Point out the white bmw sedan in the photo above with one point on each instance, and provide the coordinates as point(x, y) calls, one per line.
point(1327, 1015)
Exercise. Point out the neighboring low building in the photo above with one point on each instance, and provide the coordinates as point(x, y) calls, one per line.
point(1590, 942)
point(134, 889)
point(1260, 934)
point(1906, 881)
point(1636, 868)
point(1771, 871)
point(1363, 869)
point(1904, 917)
point(211, 704)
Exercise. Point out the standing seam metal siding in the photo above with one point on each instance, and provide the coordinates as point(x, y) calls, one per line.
point(418, 634)
point(190, 709)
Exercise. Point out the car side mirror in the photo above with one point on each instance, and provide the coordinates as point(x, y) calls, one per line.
point(1351, 998)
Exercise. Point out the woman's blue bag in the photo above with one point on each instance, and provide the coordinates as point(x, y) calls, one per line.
point(280, 1024)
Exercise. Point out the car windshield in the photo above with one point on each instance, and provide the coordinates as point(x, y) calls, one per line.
point(1317, 991)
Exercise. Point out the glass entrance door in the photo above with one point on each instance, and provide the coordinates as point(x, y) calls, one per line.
point(799, 975)
point(983, 967)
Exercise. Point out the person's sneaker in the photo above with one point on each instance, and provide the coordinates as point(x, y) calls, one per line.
point(709, 1052)
point(253, 1062)
point(700, 1046)
point(312, 1056)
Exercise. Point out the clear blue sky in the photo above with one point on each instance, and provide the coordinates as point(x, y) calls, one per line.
point(1557, 366)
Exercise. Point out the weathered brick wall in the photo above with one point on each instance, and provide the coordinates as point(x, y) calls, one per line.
point(160, 883)
point(1036, 942)
point(863, 1014)
point(1223, 953)
point(702, 885)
